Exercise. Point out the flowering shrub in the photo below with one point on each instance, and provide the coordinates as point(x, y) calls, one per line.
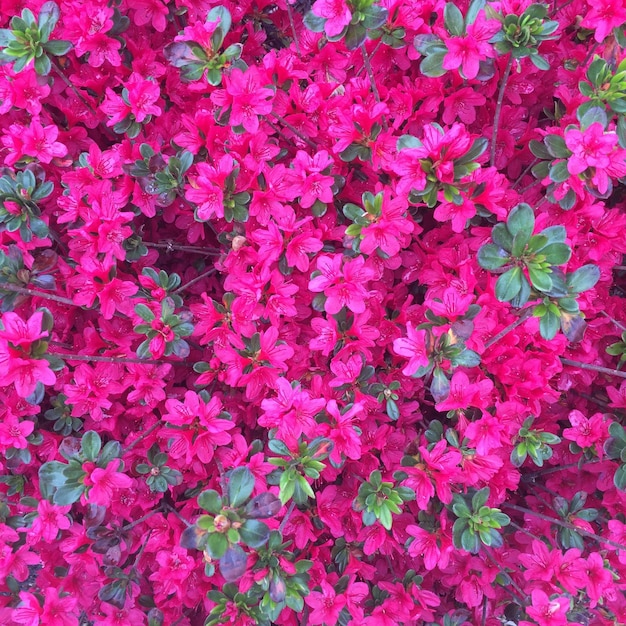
point(312, 313)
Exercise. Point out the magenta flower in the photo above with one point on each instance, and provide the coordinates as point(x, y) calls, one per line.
point(103, 482)
point(335, 12)
point(413, 347)
point(326, 605)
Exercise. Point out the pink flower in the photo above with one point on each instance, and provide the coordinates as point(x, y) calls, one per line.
point(50, 520)
point(547, 612)
point(586, 432)
point(335, 12)
point(413, 347)
point(603, 16)
point(41, 142)
point(103, 482)
point(326, 605)
point(246, 96)
point(142, 96)
point(13, 432)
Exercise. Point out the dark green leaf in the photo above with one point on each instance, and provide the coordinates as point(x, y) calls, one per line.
point(509, 284)
point(240, 486)
point(210, 501)
point(254, 533)
point(521, 220)
point(90, 445)
point(453, 20)
point(583, 278)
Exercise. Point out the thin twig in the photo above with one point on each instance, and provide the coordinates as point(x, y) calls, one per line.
point(552, 470)
point(292, 506)
point(141, 519)
point(178, 515)
point(68, 82)
point(34, 293)
point(193, 281)
point(563, 524)
point(619, 267)
point(505, 331)
point(370, 72)
point(374, 51)
point(295, 131)
point(620, 326)
point(141, 437)
point(557, 9)
point(496, 117)
point(502, 571)
point(593, 368)
point(115, 359)
point(293, 29)
point(169, 246)
point(524, 172)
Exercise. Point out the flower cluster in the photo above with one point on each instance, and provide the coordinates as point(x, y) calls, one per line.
point(312, 313)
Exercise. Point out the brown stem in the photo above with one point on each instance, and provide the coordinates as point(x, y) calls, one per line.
point(524, 172)
point(115, 359)
point(619, 267)
point(193, 281)
point(374, 51)
point(593, 368)
point(292, 24)
point(68, 82)
point(169, 246)
point(141, 437)
point(292, 506)
point(563, 524)
point(502, 571)
point(295, 131)
point(496, 117)
point(620, 326)
point(141, 519)
point(557, 9)
point(34, 293)
point(552, 470)
point(505, 331)
point(370, 72)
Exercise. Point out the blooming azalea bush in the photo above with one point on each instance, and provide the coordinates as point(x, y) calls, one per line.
point(312, 313)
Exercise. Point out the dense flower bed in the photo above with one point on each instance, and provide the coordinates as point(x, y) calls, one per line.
point(312, 313)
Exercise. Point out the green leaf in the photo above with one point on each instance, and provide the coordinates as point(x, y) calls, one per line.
point(254, 533)
point(144, 313)
point(593, 116)
point(583, 278)
point(314, 23)
point(558, 172)
point(549, 325)
point(460, 508)
point(240, 486)
point(539, 62)
point(539, 150)
point(556, 146)
point(392, 409)
point(502, 237)
point(210, 501)
point(385, 518)
point(355, 36)
point(557, 253)
point(453, 20)
point(479, 499)
point(432, 65)
point(407, 142)
point(619, 479)
point(90, 445)
point(521, 220)
point(216, 545)
point(466, 358)
point(474, 9)
point(470, 541)
point(491, 257)
point(68, 494)
point(43, 65)
point(509, 284)
point(541, 280)
point(58, 47)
